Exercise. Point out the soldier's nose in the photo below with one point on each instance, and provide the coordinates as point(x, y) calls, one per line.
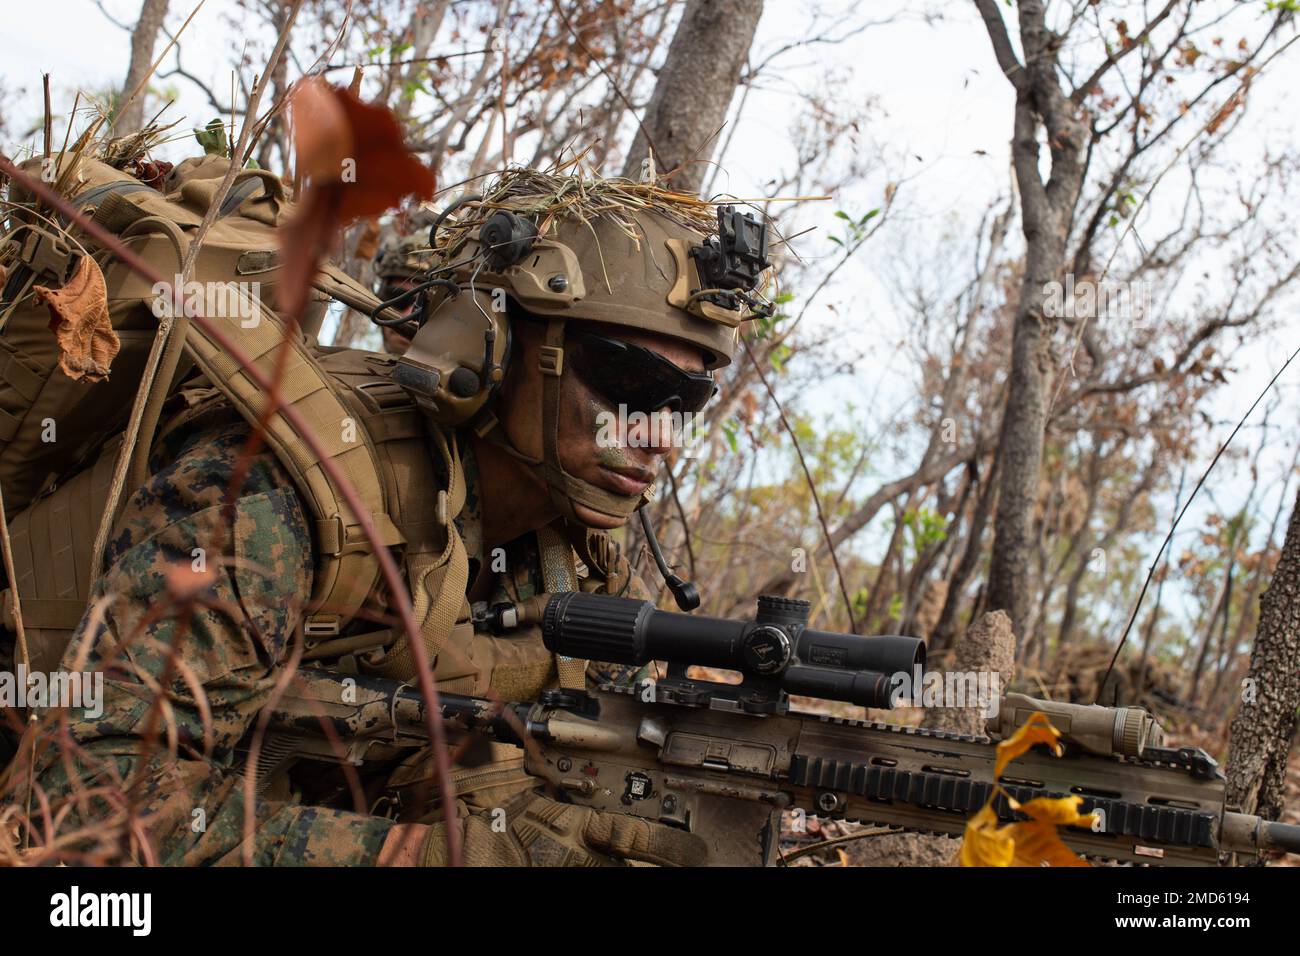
point(653, 433)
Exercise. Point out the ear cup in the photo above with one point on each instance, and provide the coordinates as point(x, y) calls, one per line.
point(458, 357)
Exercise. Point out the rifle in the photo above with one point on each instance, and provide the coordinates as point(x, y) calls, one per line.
point(723, 760)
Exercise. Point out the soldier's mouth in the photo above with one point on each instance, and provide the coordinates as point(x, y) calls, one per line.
point(633, 481)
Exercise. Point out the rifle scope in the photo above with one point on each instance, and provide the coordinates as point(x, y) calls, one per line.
point(777, 649)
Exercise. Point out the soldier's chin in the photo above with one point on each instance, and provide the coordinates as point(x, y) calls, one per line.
point(595, 519)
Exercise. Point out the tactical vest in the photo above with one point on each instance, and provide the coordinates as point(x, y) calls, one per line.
point(407, 469)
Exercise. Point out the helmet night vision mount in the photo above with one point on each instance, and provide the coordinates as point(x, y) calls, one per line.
point(731, 263)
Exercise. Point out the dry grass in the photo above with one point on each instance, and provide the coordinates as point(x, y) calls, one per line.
point(566, 194)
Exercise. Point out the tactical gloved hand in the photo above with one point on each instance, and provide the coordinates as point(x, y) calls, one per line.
point(539, 831)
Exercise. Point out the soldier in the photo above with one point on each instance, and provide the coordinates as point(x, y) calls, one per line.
point(557, 346)
point(397, 264)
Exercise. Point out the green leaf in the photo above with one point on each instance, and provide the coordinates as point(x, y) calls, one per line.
point(778, 357)
point(730, 429)
point(213, 138)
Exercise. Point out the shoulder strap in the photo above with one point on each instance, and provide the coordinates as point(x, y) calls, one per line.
point(438, 577)
point(347, 571)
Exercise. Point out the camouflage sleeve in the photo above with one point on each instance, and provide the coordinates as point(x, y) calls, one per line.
point(228, 646)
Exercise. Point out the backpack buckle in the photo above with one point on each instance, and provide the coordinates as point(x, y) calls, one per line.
point(551, 360)
point(46, 254)
point(317, 626)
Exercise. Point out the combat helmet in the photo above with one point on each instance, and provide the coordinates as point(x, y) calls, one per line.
point(564, 248)
point(404, 257)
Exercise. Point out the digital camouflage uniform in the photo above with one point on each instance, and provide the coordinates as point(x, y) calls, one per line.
point(234, 645)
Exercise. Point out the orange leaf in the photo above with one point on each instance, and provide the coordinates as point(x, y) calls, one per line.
point(1037, 841)
point(358, 167)
point(368, 241)
point(79, 320)
point(322, 135)
point(342, 141)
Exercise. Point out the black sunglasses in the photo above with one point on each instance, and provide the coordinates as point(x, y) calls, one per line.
point(627, 374)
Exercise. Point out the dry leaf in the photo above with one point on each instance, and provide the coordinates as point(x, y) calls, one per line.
point(1036, 840)
point(368, 241)
point(1032, 842)
point(358, 167)
point(1036, 730)
point(985, 843)
point(1228, 108)
point(184, 583)
point(79, 320)
point(322, 135)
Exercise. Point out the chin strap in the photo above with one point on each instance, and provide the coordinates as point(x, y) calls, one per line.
point(566, 490)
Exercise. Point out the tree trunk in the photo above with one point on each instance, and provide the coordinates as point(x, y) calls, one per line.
point(878, 593)
point(1221, 605)
point(273, 151)
point(946, 629)
point(130, 116)
point(1045, 212)
point(1020, 443)
point(694, 90)
point(1139, 684)
point(1265, 722)
point(1248, 614)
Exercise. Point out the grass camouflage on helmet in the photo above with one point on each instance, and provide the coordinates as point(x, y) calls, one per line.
point(404, 257)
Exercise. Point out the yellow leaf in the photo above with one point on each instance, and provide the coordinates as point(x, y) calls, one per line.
point(1036, 730)
point(1058, 811)
point(1037, 841)
point(985, 843)
point(1038, 844)
point(1032, 842)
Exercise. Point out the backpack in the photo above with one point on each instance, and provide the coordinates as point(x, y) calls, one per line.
point(70, 450)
